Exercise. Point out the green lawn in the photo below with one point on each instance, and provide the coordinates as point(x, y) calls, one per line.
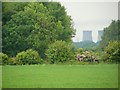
point(0, 77)
point(60, 76)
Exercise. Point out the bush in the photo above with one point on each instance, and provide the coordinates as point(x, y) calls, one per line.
point(3, 58)
point(113, 51)
point(59, 52)
point(80, 50)
point(0, 61)
point(14, 61)
point(87, 56)
point(28, 57)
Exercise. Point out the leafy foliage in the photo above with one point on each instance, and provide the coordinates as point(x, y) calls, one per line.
point(113, 51)
point(64, 22)
point(14, 61)
point(10, 8)
point(111, 33)
point(110, 42)
point(28, 57)
point(80, 51)
point(3, 58)
point(88, 45)
point(59, 51)
point(35, 25)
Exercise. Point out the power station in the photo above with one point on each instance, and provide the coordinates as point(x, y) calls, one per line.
point(100, 33)
point(87, 35)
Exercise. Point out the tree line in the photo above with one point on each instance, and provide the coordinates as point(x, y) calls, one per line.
point(110, 43)
point(34, 25)
point(41, 32)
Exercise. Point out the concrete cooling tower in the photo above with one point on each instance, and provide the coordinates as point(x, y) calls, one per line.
point(100, 33)
point(87, 35)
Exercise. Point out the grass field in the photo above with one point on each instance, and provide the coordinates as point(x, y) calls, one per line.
point(0, 77)
point(60, 76)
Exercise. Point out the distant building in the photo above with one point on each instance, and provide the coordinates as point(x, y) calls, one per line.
point(100, 33)
point(87, 36)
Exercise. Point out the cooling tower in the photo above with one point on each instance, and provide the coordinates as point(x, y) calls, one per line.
point(100, 33)
point(87, 35)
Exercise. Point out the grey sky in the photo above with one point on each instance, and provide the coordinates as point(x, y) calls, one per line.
point(91, 16)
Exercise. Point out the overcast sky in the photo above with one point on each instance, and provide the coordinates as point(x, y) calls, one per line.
point(91, 16)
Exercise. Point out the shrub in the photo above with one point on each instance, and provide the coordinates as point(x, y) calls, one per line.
point(3, 58)
point(0, 61)
point(28, 57)
point(80, 50)
point(87, 56)
point(14, 61)
point(113, 51)
point(59, 52)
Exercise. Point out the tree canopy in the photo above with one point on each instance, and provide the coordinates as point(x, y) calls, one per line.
point(110, 42)
point(34, 25)
point(111, 33)
point(113, 51)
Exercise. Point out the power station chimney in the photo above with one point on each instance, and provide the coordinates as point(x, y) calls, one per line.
point(100, 33)
point(87, 35)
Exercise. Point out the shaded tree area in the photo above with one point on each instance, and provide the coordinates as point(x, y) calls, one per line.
point(110, 43)
point(41, 32)
point(112, 51)
point(34, 25)
point(111, 33)
point(87, 45)
point(8, 9)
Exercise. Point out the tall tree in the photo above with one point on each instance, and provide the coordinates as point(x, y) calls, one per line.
point(63, 21)
point(111, 33)
point(35, 27)
point(10, 8)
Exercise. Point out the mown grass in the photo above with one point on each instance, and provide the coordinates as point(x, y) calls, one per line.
point(0, 77)
point(60, 76)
